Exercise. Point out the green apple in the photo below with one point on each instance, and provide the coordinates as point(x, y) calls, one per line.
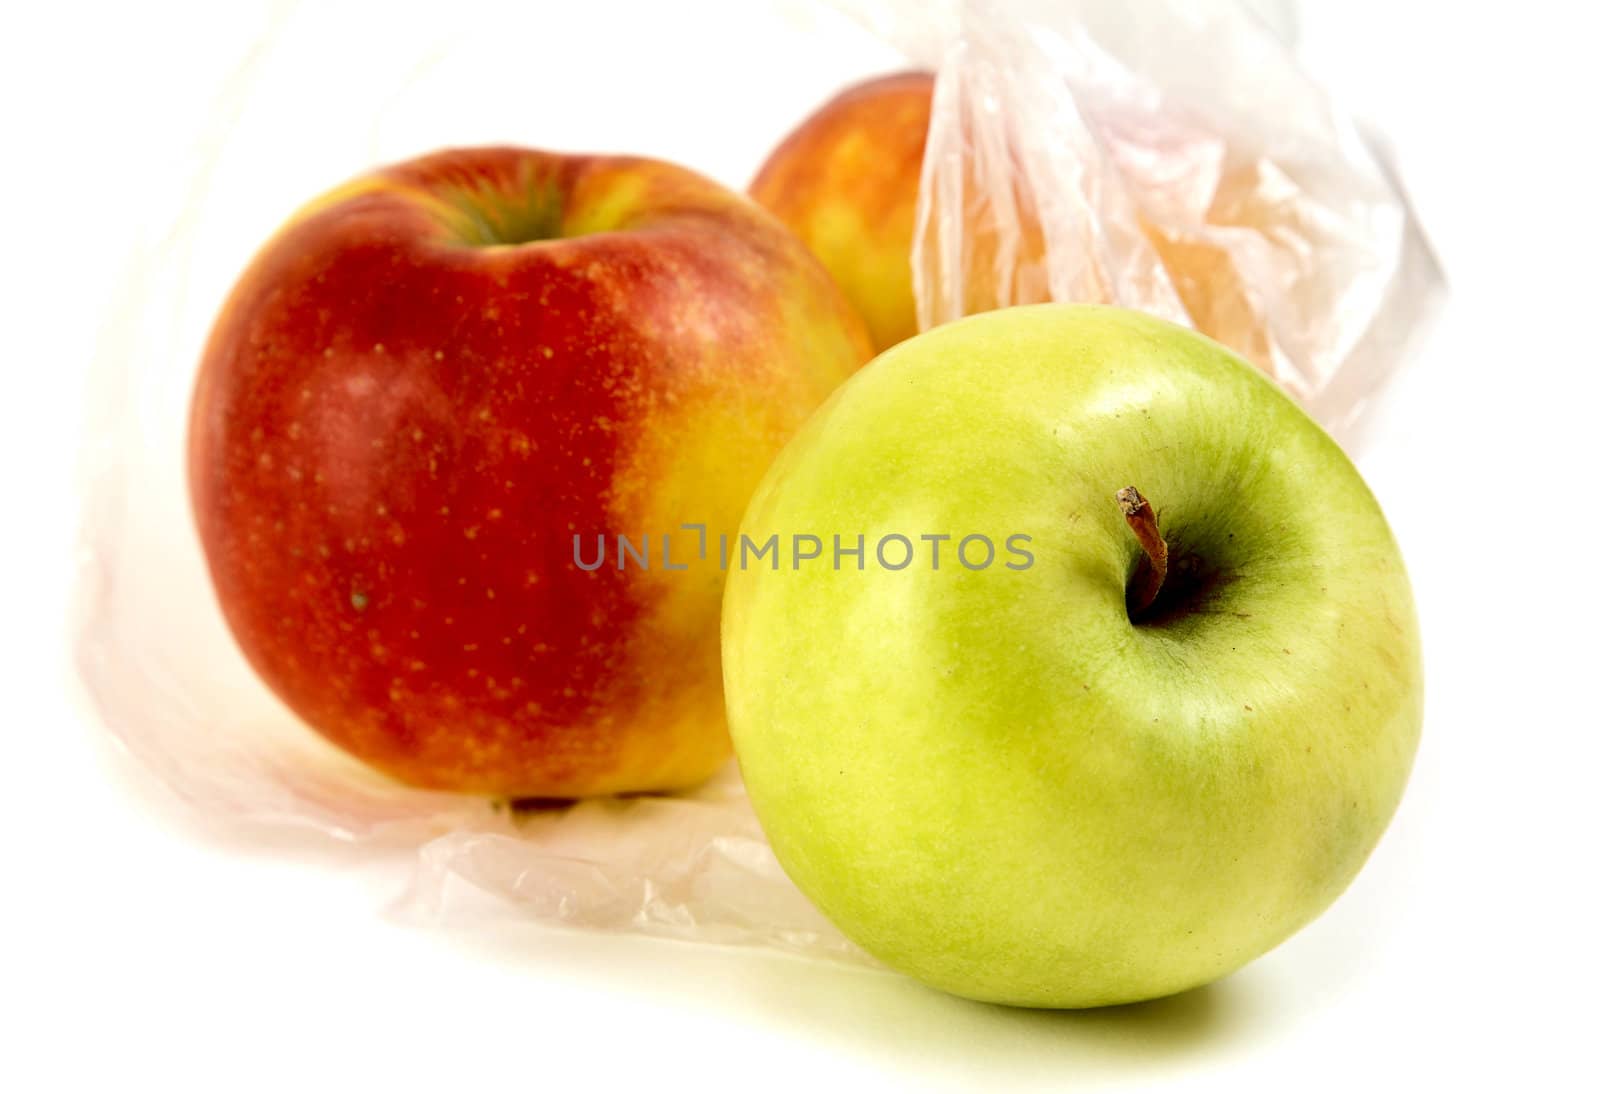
point(1012, 779)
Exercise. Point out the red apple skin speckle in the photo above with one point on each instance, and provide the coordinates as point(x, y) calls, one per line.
point(402, 418)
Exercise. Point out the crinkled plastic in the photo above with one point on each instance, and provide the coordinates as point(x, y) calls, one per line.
point(1166, 156)
point(1172, 157)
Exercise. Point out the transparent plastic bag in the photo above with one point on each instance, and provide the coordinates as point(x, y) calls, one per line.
point(1063, 95)
point(1172, 157)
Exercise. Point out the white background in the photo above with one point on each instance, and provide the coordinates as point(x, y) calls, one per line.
point(137, 947)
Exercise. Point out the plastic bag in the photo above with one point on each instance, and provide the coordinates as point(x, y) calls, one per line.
point(1055, 132)
point(1171, 157)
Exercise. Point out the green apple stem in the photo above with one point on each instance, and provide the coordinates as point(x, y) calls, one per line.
point(1152, 571)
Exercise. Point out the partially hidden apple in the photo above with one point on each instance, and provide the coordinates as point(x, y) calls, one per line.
point(1141, 713)
point(847, 179)
point(441, 386)
point(846, 183)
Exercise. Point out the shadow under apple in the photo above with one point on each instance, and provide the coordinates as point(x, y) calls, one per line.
point(880, 1017)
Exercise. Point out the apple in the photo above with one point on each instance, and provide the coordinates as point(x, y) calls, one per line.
point(432, 388)
point(847, 180)
point(846, 183)
point(1110, 756)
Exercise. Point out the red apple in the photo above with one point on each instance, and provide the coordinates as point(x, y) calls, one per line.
point(428, 384)
point(845, 181)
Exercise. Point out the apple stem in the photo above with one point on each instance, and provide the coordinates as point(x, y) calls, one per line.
point(1152, 571)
